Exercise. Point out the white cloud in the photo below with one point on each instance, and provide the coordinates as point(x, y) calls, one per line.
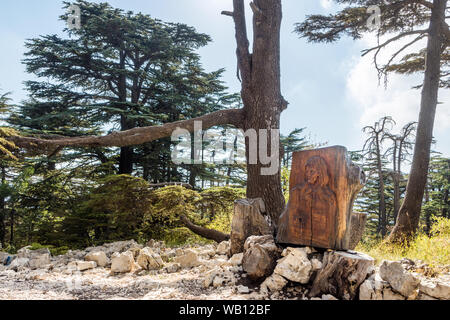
point(326, 4)
point(398, 100)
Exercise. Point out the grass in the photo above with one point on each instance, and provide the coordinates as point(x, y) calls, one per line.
point(433, 250)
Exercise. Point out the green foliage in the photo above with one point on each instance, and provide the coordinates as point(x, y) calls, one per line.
point(212, 208)
point(55, 251)
point(112, 211)
point(401, 24)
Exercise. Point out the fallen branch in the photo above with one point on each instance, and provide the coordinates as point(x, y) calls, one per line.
point(209, 234)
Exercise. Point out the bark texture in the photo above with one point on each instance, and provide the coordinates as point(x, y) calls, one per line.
point(342, 274)
point(247, 221)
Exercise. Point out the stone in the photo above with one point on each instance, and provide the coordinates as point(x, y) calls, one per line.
point(274, 283)
point(82, 265)
point(295, 265)
point(172, 267)
point(218, 282)
point(99, 257)
point(316, 264)
point(188, 260)
point(210, 276)
point(248, 220)
point(423, 296)
point(40, 261)
point(435, 288)
point(243, 290)
point(236, 260)
point(18, 263)
point(149, 260)
point(208, 254)
point(390, 295)
point(260, 256)
point(223, 248)
point(122, 262)
point(400, 280)
point(120, 246)
point(167, 255)
point(328, 297)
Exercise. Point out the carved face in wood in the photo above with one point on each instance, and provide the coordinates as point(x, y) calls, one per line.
point(316, 172)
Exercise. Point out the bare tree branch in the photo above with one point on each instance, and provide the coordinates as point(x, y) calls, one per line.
point(243, 53)
point(134, 136)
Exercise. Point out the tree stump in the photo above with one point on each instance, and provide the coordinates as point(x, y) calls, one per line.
point(342, 274)
point(324, 185)
point(358, 226)
point(248, 220)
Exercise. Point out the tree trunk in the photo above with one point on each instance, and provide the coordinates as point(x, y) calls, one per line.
point(342, 274)
point(3, 211)
point(126, 153)
point(11, 231)
point(261, 94)
point(409, 215)
point(248, 220)
point(382, 203)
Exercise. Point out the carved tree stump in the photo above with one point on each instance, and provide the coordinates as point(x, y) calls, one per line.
point(324, 186)
point(248, 220)
point(358, 226)
point(342, 274)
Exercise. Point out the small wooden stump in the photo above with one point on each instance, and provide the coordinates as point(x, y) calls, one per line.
point(248, 220)
point(358, 226)
point(324, 186)
point(342, 274)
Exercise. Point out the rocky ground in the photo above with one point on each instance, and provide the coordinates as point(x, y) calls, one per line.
point(126, 270)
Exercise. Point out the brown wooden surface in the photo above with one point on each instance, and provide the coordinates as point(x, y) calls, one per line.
point(324, 185)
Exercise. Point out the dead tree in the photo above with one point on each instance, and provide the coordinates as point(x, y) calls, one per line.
point(400, 150)
point(373, 146)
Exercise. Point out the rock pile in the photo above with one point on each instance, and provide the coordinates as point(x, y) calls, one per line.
point(262, 271)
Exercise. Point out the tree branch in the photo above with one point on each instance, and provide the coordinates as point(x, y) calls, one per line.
point(205, 232)
point(135, 136)
point(243, 53)
point(402, 35)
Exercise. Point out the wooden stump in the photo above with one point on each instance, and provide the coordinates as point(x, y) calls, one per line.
point(358, 226)
point(342, 274)
point(324, 186)
point(248, 220)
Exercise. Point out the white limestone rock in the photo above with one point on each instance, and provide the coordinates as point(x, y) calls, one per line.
point(122, 262)
point(400, 280)
point(295, 265)
point(149, 260)
point(99, 257)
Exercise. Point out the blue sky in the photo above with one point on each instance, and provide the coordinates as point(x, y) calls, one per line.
point(332, 90)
